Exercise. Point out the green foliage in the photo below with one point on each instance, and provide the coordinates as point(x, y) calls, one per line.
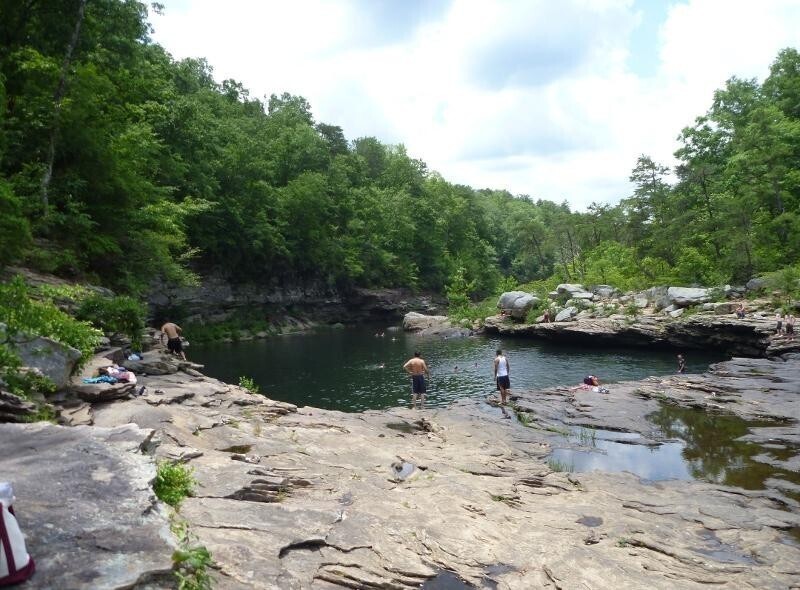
point(173, 482)
point(21, 314)
point(190, 560)
point(786, 281)
point(44, 413)
point(119, 314)
point(249, 384)
point(158, 167)
point(458, 290)
point(536, 311)
point(15, 233)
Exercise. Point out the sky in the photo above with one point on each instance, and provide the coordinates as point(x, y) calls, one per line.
point(551, 99)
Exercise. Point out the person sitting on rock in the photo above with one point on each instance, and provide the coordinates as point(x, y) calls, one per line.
point(591, 381)
point(740, 311)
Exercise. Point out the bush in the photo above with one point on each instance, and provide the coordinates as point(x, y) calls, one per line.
point(249, 384)
point(21, 314)
point(173, 483)
point(121, 314)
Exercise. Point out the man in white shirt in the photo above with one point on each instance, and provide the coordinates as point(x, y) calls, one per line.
point(501, 368)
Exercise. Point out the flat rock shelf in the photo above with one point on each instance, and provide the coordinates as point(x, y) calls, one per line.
point(460, 497)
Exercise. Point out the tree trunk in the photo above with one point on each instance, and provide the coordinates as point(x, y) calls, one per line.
point(57, 99)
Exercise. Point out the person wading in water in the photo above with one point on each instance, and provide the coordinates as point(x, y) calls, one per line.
point(417, 368)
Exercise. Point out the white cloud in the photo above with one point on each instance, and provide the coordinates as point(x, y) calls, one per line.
point(508, 94)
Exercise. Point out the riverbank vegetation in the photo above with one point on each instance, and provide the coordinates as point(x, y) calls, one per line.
point(120, 165)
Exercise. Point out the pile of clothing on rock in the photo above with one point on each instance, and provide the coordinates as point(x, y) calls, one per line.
point(112, 374)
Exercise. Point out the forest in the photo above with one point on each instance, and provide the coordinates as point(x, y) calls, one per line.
point(120, 165)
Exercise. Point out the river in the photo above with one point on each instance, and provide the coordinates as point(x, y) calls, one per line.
point(353, 369)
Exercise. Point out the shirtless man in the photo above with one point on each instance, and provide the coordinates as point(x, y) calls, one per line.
point(417, 368)
point(501, 377)
point(173, 334)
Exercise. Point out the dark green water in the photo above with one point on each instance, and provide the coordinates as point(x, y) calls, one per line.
point(351, 369)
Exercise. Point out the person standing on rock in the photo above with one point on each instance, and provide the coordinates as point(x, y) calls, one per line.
point(501, 370)
point(681, 363)
point(173, 333)
point(417, 368)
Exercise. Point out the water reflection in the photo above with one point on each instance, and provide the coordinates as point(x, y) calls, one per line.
point(714, 453)
point(704, 446)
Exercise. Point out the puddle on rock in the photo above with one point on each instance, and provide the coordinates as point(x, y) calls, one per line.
point(446, 580)
point(704, 446)
point(590, 521)
point(238, 449)
point(719, 551)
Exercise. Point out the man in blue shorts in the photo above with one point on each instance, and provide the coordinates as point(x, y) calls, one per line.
point(417, 368)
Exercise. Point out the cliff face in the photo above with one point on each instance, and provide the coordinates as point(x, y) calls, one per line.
point(215, 299)
point(747, 337)
point(305, 498)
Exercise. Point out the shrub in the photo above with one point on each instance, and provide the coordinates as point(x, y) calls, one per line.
point(249, 384)
point(21, 314)
point(173, 483)
point(191, 560)
point(121, 314)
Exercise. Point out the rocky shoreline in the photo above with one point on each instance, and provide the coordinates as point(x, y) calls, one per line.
point(462, 497)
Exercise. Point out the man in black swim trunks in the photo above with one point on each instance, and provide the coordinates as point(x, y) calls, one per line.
point(173, 334)
point(417, 368)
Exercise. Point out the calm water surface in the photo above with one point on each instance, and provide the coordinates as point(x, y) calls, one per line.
point(352, 369)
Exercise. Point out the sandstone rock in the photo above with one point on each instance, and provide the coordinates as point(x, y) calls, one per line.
point(415, 322)
point(686, 296)
point(85, 504)
point(56, 361)
point(657, 296)
point(151, 365)
point(708, 306)
point(640, 302)
point(676, 313)
point(605, 291)
point(517, 303)
point(14, 408)
point(723, 308)
point(756, 284)
point(566, 314)
point(103, 392)
point(585, 295)
point(569, 288)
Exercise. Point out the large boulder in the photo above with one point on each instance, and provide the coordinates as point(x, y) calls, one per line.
point(56, 361)
point(569, 288)
point(655, 295)
point(416, 322)
point(724, 308)
point(687, 296)
point(605, 291)
point(517, 303)
point(755, 284)
point(566, 314)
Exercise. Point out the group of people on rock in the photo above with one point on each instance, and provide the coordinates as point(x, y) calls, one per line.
point(784, 325)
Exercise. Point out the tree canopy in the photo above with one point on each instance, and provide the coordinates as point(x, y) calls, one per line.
point(120, 164)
